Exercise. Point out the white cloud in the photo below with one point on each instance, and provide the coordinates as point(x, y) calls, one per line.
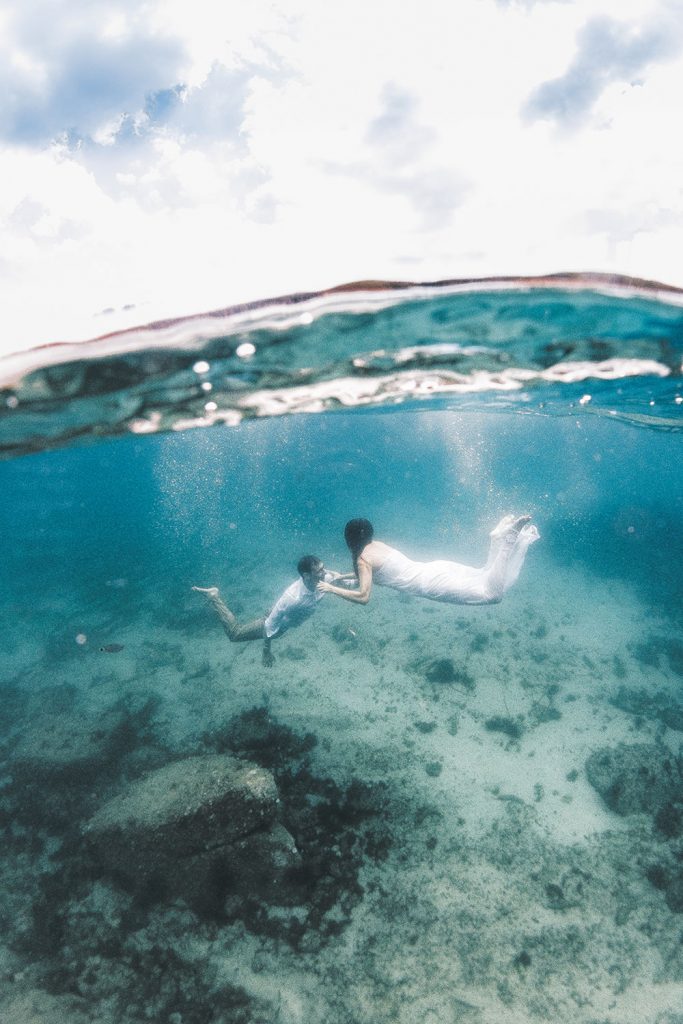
point(397, 129)
point(396, 145)
point(608, 50)
point(65, 72)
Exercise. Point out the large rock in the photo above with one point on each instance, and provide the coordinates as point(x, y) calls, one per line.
point(638, 779)
point(199, 829)
point(187, 805)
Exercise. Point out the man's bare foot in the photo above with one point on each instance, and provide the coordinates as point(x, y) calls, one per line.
point(211, 591)
point(268, 659)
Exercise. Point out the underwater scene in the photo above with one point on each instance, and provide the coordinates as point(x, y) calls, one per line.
point(434, 806)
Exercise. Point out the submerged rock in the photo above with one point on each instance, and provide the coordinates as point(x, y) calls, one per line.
point(446, 672)
point(669, 819)
point(644, 704)
point(186, 802)
point(641, 778)
point(508, 726)
point(199, 829)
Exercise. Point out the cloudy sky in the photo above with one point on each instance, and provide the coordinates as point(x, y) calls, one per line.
point(168, 157)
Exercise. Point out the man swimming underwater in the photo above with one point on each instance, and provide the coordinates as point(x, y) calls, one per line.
point(296, 604)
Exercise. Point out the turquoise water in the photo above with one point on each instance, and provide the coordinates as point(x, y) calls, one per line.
point(457, 859)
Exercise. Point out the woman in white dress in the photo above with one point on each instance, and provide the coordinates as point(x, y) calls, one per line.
point(377, 562)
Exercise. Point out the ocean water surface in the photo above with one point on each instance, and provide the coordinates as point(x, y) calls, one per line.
point(451, 813)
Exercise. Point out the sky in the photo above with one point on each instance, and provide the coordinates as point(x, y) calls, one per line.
point(166, 158)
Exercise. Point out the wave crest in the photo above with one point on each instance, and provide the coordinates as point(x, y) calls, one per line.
point(563, 344)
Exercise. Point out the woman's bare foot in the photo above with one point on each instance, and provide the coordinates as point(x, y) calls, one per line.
point(508, 526)
point(211, 591)
point(519, 522)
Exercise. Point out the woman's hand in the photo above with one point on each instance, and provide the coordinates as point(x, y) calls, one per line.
point(360, 596)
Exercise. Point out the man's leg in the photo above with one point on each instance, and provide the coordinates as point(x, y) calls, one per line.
point(249, 631)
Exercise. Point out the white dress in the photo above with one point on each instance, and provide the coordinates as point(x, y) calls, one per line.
point(462, 584)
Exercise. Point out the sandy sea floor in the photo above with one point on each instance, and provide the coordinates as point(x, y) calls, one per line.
point(481, 877)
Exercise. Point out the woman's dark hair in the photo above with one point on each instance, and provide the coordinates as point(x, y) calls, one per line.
point(358, 533)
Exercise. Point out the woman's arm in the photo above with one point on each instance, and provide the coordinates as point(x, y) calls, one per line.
point(360, 596)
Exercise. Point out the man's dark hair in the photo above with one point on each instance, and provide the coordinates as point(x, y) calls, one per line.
point(307, 564)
